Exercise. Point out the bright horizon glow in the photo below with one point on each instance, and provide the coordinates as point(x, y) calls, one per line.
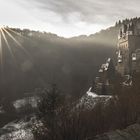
point(57, 32)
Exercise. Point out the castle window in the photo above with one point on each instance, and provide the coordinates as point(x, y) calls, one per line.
point(119, 60)
point(134, 57)
point(119, 57)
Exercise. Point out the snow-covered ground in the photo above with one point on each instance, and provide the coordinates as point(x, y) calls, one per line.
point(32, 101)
point(16, 131)
point(94, 95)
point(90, 99)
point(21, 130)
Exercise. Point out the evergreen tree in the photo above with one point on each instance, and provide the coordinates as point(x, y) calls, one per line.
point(49, 107)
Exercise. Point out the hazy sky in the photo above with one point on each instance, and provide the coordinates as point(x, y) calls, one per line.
point(66, 17)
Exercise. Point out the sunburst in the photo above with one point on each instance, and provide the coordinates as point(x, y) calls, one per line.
point(1, 61)
point(7, 33)
point(14, 31)
point(14, 39)
point(4, 33)
point(6, 41)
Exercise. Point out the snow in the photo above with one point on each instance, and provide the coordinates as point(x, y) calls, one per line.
point(17, 131)
point(104, 67)
point(109, 59)
point(18, 135)
point(99, 96)
point(26, 101)
point(134, 57)
point(89, 93)
point(90, 99)
point(100, 70)
point(94, 95)
point(119, 60)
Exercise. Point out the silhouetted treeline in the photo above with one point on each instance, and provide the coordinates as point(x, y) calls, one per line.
point(126, 21)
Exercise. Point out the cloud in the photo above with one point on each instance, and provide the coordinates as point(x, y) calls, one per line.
point(67, 17)
point(89, 11)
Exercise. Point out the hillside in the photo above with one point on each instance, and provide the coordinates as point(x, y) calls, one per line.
point(72, 63)
point(45, 58)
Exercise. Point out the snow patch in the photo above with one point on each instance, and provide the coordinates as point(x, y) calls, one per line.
point(17, 131)
point(89, 93)
point(94, 95)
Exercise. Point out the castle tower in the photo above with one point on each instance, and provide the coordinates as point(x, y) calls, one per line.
point(128, 51)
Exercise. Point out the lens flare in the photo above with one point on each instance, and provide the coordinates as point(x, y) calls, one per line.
point(14, 31)
point(1, 63)
point(5, 34)
point(6, 41)
point(14, 39)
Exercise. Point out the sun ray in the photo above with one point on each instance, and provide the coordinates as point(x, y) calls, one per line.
point(12, 37)
point(1, 57)
point(16, 41)
point(6, 41)
point(18, 34)
point(14, 32)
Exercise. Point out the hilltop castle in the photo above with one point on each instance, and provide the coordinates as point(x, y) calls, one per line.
point(128, 59)
point(128, 51)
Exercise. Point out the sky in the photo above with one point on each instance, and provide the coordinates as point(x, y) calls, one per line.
point(66, 18)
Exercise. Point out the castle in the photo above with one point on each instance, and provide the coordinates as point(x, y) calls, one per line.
point(103, 83)
point(128, 59)
point(128, 51)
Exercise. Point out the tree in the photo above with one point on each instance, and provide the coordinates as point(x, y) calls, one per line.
point(49, 106)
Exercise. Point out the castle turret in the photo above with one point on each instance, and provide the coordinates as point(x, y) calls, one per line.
point(128, 44)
